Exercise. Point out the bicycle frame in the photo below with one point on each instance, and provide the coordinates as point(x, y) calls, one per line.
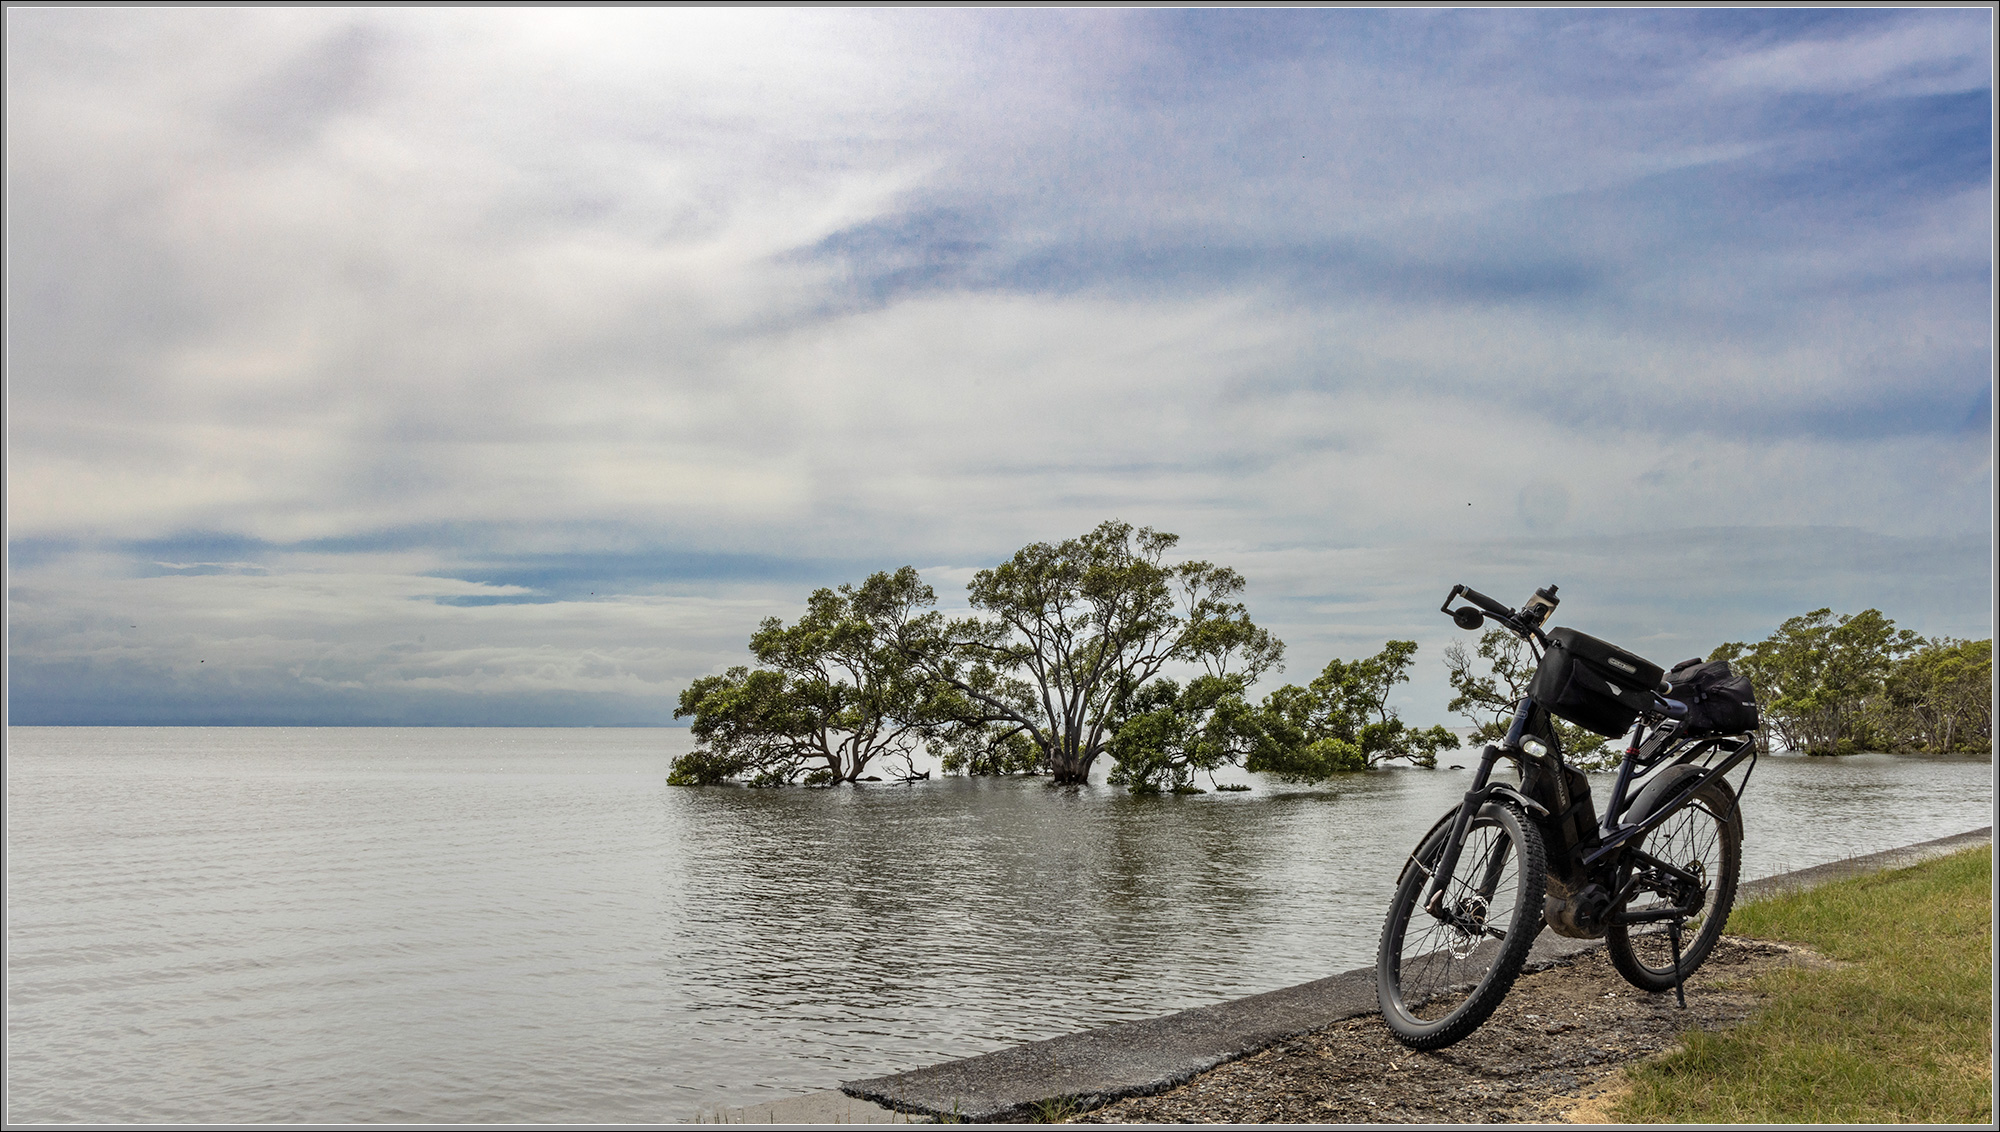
point(1615, 839)
point(1636, 876)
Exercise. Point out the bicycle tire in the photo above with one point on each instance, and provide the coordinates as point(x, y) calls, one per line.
point(1424, 964)
point(1705, 836)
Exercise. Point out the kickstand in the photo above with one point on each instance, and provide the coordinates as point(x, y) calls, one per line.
point(1675, 933)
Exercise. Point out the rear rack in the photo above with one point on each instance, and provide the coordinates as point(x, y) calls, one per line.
point(1717, 755)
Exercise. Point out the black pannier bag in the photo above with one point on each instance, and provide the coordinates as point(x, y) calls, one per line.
point(1593, 683)
point(1719, 702)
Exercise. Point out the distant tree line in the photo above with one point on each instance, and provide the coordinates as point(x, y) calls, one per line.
point(1065, 660)
point(1097, 648)
point(1825, 685)
point(1834, 685)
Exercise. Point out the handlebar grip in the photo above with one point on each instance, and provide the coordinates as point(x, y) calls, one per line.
point(1487, 603)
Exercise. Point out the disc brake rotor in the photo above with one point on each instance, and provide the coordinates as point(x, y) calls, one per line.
point(1468, 923)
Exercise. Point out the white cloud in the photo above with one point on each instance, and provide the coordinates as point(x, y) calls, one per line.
point(509, 283)
point(1947, 54)
point(285, 632)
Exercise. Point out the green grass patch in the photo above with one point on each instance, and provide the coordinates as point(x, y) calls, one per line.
point(1055, 1110)
point(1901, 1033)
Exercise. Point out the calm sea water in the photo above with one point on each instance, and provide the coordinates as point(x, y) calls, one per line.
point(373, 925)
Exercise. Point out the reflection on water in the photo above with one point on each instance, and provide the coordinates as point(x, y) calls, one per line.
point(378, 925)
point(978, 913)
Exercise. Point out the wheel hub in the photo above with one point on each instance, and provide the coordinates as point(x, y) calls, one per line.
point(1468, 921)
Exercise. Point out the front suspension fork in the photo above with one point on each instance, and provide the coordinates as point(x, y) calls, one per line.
point(1454, 842)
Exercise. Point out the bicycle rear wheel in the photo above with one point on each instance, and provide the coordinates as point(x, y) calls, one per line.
point(1705, 838)
point(1439, 978)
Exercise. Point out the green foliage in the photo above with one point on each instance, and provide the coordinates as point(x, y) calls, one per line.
point(1071, 629)
point(1070, 650)
point(1055, 1110)
point(1171, 732)
point(836, 691)
point(746, 723)
point(1939, 698)
point(1898, 1034)
point(702, 767)
point(1816, 675)
point(993, 749)
point(1342, 721)
point(1313, 761)
point(1488, 699)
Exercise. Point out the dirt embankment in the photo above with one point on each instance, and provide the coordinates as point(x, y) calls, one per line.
point(1550, 1053)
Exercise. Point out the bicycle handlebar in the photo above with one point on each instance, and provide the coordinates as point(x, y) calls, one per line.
point(1524, 623)
point(1484, 602)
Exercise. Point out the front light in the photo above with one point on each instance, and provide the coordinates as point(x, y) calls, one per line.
point(1535, 748)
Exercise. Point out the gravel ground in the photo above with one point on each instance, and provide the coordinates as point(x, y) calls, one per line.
point(1550, 1053)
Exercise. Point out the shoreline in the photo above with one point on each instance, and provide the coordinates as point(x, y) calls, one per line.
point(1564, 1036)
point(1078, 1073)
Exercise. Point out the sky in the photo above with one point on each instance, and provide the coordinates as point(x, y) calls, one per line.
point(508, 366)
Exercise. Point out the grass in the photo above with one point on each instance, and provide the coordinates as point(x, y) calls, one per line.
point(1054, 1110)
point(1899, 1033)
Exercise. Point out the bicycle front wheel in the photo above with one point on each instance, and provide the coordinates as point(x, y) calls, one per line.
point(1440, 974)
point(1705, 839)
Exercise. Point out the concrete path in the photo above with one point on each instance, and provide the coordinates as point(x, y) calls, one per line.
point(1132, 1059)
point(1141, 1058)
point(828, 1106)
point(1854, 866)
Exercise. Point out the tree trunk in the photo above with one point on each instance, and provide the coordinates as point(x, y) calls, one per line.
point(1068, 767)
point(1068, 770)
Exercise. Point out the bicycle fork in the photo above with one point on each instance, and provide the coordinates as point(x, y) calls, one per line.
point(1454, 845)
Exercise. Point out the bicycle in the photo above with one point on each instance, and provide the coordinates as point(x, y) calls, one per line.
point(1512, 858)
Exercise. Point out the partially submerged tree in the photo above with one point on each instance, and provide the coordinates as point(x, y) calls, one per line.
point(1075, 629)
point(979, 747)
point(1940, 698)
point(1170, 732)
point(1488, 698)
point(1815, 675)
point(1342, 721)
point(835, 692)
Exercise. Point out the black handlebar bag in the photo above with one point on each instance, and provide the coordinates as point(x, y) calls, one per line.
point(1593, 683)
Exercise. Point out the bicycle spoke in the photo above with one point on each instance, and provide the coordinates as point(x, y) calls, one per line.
point(1440, 956)
point(1700, 840)
point(1441, 975)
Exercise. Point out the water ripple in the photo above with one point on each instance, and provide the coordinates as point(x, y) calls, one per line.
point(383, 925)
